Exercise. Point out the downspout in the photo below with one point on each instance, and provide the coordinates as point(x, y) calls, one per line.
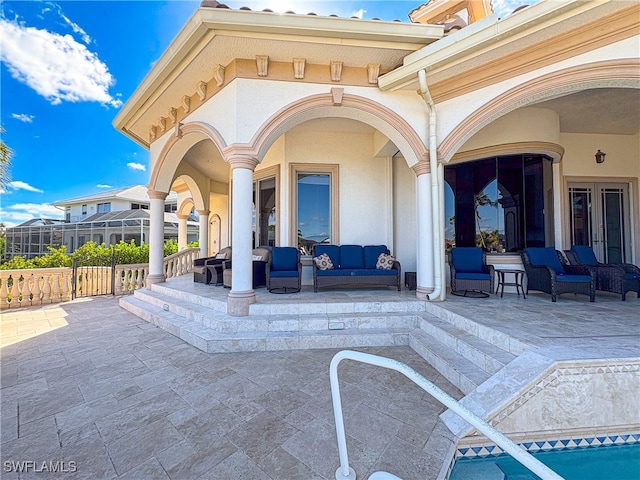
point(438, 259)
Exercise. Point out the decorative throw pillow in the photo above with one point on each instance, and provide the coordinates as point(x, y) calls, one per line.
point(221, 256)
point(385, 261)
point(323, 262)
point(256, 258)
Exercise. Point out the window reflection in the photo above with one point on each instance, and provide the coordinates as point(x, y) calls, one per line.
point(313, 210)
point(264, 212)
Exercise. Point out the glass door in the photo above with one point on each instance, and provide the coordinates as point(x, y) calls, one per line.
point(599, 217)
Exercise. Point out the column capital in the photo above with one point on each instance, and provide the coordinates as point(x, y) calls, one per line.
point(182, 216)
point(157, 195)
point(421, 168)
point(240, 160)
point(202, 213)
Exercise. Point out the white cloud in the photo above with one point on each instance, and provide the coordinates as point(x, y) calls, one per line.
point(103, 185)
point(505, 8)
point(21, 212)
point(23, 117)
point(136, 166)
point(359, 13)
point(76, 28)
point(56, 66)
point(18, 185)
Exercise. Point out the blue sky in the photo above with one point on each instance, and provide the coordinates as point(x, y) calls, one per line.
point(68, 66)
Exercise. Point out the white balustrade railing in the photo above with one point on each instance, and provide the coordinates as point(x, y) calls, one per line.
point(40, 286)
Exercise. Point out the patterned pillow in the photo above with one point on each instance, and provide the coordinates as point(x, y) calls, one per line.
point(221, 256)
point(256, 258)
point(323, 262)
point(385, 261)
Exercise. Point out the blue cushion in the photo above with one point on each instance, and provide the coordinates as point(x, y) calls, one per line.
point(371, 254)
point(545, 257)
point(472, 276)
point(371, 272)
point(332, 250)
point(573, 278)
point(351, 256)
point(283, 273)
point(467, 259)
point(585, 254)
point(284, 258)
point(334, 272)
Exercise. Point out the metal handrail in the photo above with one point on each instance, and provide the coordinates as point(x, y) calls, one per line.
point(344, 472)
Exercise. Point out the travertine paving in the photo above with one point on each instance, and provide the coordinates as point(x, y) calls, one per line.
point(92, 391)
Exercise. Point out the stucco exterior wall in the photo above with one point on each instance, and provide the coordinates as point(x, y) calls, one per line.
point(622, 160)
point(364, 182)
point(404, 214)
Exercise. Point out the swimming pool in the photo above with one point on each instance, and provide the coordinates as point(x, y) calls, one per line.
point(619, 462)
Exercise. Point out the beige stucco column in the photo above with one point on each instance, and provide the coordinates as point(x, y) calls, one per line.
point(203, 233)
point(241, 294)
point(182, 231)
point(156, 237)
point(424, 250)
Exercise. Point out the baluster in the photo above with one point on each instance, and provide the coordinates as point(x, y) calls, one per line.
point(36, 290)
point(46, 290)
point(55, 293)
point(4, 292)
point(65, 291)
point(25, 297)
point(15, 290)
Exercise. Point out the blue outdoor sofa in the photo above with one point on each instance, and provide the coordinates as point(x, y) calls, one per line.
point(354, 265)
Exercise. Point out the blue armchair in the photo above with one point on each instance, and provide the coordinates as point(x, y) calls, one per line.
point(470, 273)
point(548, 272)
point(615, 278)
point(284, 271)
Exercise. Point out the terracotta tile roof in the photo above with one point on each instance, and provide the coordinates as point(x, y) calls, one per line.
point(216, 4)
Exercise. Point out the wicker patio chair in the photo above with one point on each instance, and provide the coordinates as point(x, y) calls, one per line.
point(610, 277)
point(202, 274)
point(470, 272)
point(547, 271)
point(284, 270)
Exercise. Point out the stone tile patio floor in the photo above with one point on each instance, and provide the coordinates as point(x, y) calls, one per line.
point(89, 383)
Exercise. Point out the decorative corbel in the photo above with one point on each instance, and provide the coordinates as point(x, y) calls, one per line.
point(163, 124)
point(262, 62)
point(298, 67)
point(218, 75)
point(336, 94)
point(336, 71)
point(373, 70)
point(153, 132)
point(201, 90)
point(173, 115)
point(186, 103)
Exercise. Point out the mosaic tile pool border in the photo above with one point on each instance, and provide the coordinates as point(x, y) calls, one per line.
point(490, 450)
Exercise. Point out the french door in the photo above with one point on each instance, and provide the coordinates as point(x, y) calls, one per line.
point(600, 218)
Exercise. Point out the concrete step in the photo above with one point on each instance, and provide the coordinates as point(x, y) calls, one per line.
point(461, 372)
point(233, 334)
point(483, 354)
point(197, 295)
point(490, 335)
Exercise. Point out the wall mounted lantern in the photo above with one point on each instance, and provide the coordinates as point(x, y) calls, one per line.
point(600, 156)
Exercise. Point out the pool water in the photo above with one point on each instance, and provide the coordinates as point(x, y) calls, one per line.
point(615, 462)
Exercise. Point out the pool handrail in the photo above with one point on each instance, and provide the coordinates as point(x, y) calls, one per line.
point(345, 472)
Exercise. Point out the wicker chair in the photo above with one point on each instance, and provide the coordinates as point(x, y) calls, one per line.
point(258, 267)
point(470, 272)
point(284, 270)
point(615, 278)
point(548, 272)
point(202, 274)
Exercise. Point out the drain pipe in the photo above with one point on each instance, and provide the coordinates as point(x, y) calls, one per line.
point(438, 292)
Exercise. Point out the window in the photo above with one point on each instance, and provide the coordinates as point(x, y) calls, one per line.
point(84, 209)
point(170, 207)
point(104, 207)
point(499, 203)
point(315, 205)
point(265, 207)
point(67, 214)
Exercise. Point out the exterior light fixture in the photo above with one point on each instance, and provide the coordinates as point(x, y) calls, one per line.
point(600, 156)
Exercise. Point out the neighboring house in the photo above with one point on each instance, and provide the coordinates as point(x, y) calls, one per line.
point(105, 217)
point(457, 128)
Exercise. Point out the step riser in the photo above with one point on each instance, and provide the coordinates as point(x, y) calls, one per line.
point(178, 295)
point(314, 308)
point(488, 363)
point(489, 335)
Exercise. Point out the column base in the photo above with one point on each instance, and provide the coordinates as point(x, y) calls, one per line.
point(238, 302)
point(151, 279)
point(422, 292)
